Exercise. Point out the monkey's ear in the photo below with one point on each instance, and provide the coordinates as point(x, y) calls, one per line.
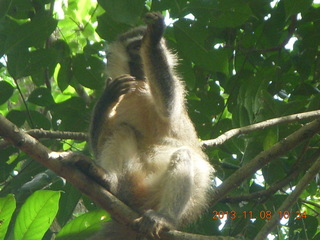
point(109, 80)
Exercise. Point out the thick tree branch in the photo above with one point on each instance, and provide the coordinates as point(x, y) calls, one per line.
point(62, 163)
point(258, 126)
point(291, 199)
point(265, 157)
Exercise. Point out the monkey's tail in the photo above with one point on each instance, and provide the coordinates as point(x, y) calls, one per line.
point(115, 231)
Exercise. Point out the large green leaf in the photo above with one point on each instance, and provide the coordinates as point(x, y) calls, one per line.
point(69, 200)
point(192, 45)
point(226, 13)
point(36, 215)
point(65, 75)
point(296, 6)
point(7, 207)
point(88, 71)
point(38, 120)
point(32, 33)
point(125, 11)
point(110, 29)
point(6, 91)
point(41, 97)
point(82, 227)
point(70, 115)
point(39, 64)
point(17, 117)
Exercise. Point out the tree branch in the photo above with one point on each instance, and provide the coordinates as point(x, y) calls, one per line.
point(291, 199)
point(265, 157)
point(261, 195)
point(39, 133)
point(62, 163)
point(258, 126)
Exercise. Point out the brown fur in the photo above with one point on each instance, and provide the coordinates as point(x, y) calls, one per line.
point(146, 141)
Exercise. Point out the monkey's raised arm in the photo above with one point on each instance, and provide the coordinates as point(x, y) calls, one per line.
point(158, 65)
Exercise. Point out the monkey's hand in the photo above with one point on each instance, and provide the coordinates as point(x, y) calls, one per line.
point(89, 168)
point(153, 223)
point(119, 86)
point(155, 29)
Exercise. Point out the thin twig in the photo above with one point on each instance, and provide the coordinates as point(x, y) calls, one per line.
point(291, 199)
point(265, 157)
point(259, 126)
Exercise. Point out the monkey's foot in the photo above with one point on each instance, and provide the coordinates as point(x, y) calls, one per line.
point(153, 223)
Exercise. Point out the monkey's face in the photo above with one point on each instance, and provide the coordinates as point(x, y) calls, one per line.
point(135, 63)
point(124, 55)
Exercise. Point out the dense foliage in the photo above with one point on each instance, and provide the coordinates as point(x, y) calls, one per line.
point(243, 61)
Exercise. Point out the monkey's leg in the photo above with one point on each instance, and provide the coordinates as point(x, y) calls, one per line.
point(176, 194)
point(178, 183)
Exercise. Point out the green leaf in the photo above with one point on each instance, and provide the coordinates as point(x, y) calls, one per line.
point(125, 11)
point(32, 33)
point(41, 96)
point(84, 226)
point(88, 71)
point(62, 50)
point(39, 120)
point(110, 29)
point(244, 117)
point(273, 172)
point(222, 14)
point(4, 7)
point(296, 6)
point(232, 13)
point(7, 207)
point(65, 75)
point(38, 63)
point(69, 200)
point(194, 35)
point(18, 64)
point(271, 138)
point(17, 117)
point(310, 221)
point(41, 65)
point(6, 91)
point(212, 104)
point(70, 114)
point(30, 169)
point(36, 215)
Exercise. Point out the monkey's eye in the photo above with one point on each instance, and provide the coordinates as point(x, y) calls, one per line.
point(134, 46)
point(137, 47)
point(108, 54)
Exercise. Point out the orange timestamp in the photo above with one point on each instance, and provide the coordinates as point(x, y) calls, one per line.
point(257, 215)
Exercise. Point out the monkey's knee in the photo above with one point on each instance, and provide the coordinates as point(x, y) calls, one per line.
point(181, 158)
